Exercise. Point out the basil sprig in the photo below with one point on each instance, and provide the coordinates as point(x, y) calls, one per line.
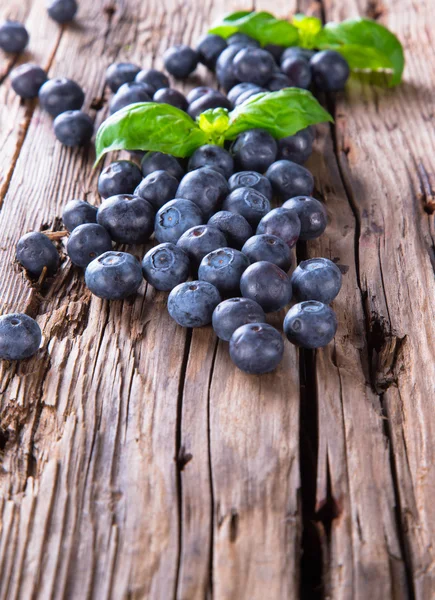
point(365, 44)
point(164, 128)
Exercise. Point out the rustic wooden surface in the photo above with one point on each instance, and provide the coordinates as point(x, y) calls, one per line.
point(135, 460)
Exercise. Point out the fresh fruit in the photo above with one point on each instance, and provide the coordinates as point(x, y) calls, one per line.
point(254, 65)
point(20, 336)
point(191, 304)
point(223, 268)
point(159, 187)
point(297, 52)
point(180, 61)
point(231, 314)
point(197, 92)
point(283, 223)
point(297, 147)
point(130, 93)
point(310, 324)
point(86, 242)
point(278, 81)
point(27, 79)
point(330, 71)
point(251, 179)
point(235, 228)
point(243, 40)
point(239, 89)
point(224, 66)
point(119, 73)
point(13, 36)
point(212, 156)
point(128, 219)
point(198, 241)
point(158, 161)
point(213, 99)
point(204, 186)
point(114, 275)
point(254, 150)
point(249, 203)
point(275, 50)
point(298, 72)
point(289, 179)
point(73, 128)
point(270, 248)
point(59, 95)
point(256, 348)
point(176, 217)
point(312, 215)
point(165, 266)
point(248, 93)
point(267, 284)
point(316, 279)
point(78, 212)
point(62, 11)
point(35, 251)
point(209, 48)
point(172, 97)
point(154, 78)
point(120, 177)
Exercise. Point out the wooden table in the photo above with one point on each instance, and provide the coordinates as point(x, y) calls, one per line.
point(135, 460)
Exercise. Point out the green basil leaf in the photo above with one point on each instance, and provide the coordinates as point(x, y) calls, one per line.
point(366, 45)
point(309, 28)
point(150, 126)
point(261, 26)
point(280, 113)
point(214, 123)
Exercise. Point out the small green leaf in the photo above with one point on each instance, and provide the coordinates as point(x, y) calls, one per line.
point(281, 113)
point(214, 123)
point(150, 126)
point(309, 28)
point(366, 45)
point(261, 26)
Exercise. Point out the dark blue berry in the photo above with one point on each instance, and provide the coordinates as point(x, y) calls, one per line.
point(191, 304)
point(62, 11)
point(240, 89)
point(297, 52)
point(310, 324)
point(223, 268)
point(209, 48)
point(249, 203)
point(127, 218)
point(235, 228)
point(78, 212)
point(213, 99)
point(254, 65)
point(158, 161)
point(316, 279)
point(231, 314)
point(251, 179)
point(165, 266)
point(283, 223)
point(119, 73)
point(13, 36)
point(180, 61)
point(256, 348)
point(73, 128)
point(35, 251)
point(312, 215)
point(86, 243)
point(330, 71)
point(159, 187)
point(298, 72)
point(198, 92)
point(206, 187)
point(267, 284)
point(297, 147)
point(114, 275)
point(248, 94)
point(214, 157)
point(20, 336)
point(269, 248)
point(243, 40)
point(225, 68)
point(120, 177)
point(277, 82)
point(27, 79)
point(156, 79)
point(176, 217)
point(275, 50)
point(129, 93)
point(200, 240)
point(172, 97)
point(59, 95)
point(254, 150)
point(289, 179)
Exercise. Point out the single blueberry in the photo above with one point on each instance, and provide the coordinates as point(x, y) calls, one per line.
point(235, 228)
point(316, 279)
point(13, 36)
point(172, 97)
point(251, 179)
point(298, 72)
point(165, 266)
point(249, 203)
point(270, 248)
point(248, 94)
point(254, 65)
point(206, 187)
point(78, 212)
point(127, 218)
point(158, 161)
point(191, 304)
point(156, 79)
point(243, 40)
point(62, 11)
point(200, 240)
point(240, 89)
point(275, 50)
point(119, 73)
point(297, 52)
point(20, 336)
point(73, 128)
point(35, 251)
point(197, 92)
point(278, 81)
point(129, 93)
point(225, 68)
point(86, 242)
point(231, 314)
point(223, 268)
point(120, 177)
point(114, 275)
point(213, 99)
point(297, 147)
point(209, 48)
point(254, 150)
point(267, 284)
point(176, 217)
point(159, 187)
point(289, 179)
point(283, 223)
point(59, 95)
point(330, 71)
point(256, 348)
point(214, 157)
point(312, 215)
point(27, 79)
point(310, 324)
point(180, 61)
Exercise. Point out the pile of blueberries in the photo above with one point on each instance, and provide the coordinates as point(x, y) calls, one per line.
point(223, 253)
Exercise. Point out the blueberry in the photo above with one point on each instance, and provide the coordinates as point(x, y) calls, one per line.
point(197, 92)
point(254, 150)
point(231, 314)
point(180, 61)
point(214, 157)
point(213, 99)
point(277, 82)
point(283, 223)
point(297, 147)
point(119, 73)
point(130, 93)
point(62, 11)
point(251, 179)
point(254, 65)
point(248, 94)
point(59, 95)
point(235, 228)
point(204, 186)
point(176, 217)
point(120, 177)
point(297, 52)
point(78, 212)
point(270, 248)
point(275, 51)
point(249, 203)
point(256, 348)
point(289, 179)
point(200, 240)
point(165, 266)
point(13, 36)
point(36, 251)
point(316, 279)
point(267, 284)
point(240, 89)
point(223, 268)
point(114, 275)
point(209, 48)
point(154, 78)
point(127, 218)
point(158, 161)
point(242, 39)
point(158, 188)
point(20, 336)
point(298, 72)
point(86, 242)
point(225, 68)
point(330, 71)
point(312, 215)
point(310, 324)
point(73, 128)
point(27, 79)
point(191, 304)
point(172, 97)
